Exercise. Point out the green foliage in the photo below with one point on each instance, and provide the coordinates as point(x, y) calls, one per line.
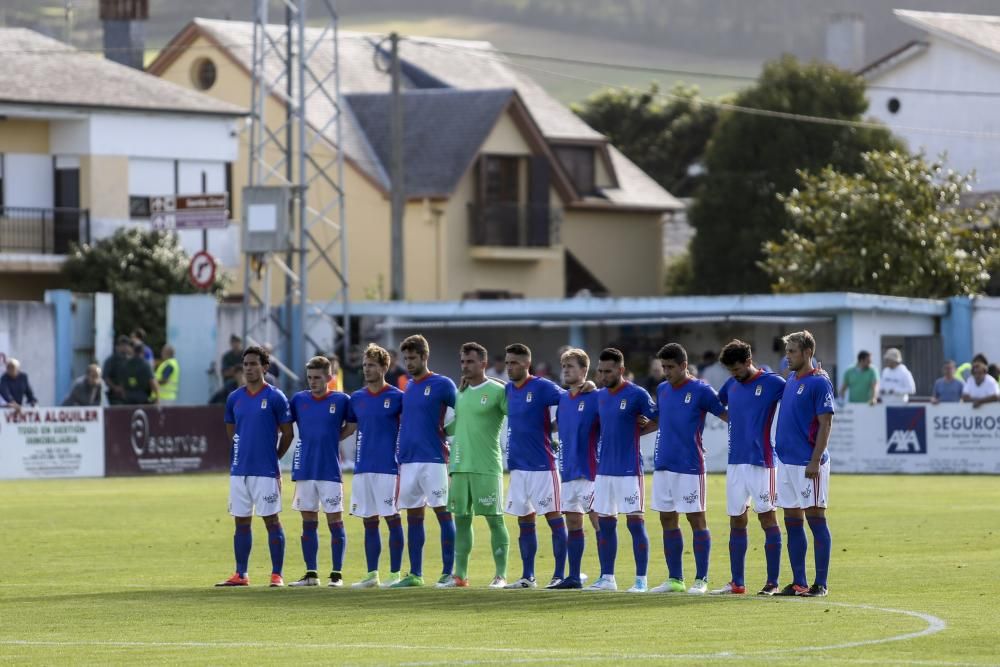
point(752, 158)
point(663, 138)
point(896, 227)
point(679, 276)
point(140, 269)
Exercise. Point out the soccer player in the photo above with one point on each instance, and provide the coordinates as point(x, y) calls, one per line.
point(477, 465)
point(255, 415)
point(423, 459)
point(803, 470)
point(626, 411)
point(579, 432)
point(679, 460)
point(752, 397)
point(534, 481)
point(321, 416)
point(376, 408)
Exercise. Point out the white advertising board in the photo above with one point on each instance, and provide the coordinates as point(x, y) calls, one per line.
point(51, 442)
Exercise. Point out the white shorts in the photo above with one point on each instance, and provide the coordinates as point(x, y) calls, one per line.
point(374, 494)
point(678, 492)
point(795, 490)
point(532, 491)
point(746, 483)
point(576, 496)
point(247, 493)
point(422, 484)
point(311, 493)
point(615, 494)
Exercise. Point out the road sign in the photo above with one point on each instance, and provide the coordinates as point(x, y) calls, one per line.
point(206, 211)
point(202, 270)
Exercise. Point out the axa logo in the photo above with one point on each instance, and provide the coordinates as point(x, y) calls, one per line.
point(906, 430)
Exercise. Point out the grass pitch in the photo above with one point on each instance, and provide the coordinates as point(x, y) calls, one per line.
point(121, 570)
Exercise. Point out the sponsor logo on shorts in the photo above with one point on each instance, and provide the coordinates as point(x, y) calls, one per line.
point(271, 498)
point(806, 492)
point(691, 497)
point(263, 404)
point(488, 500)
point(632, 500)
point(439, 493)
point(758, 390)
point(588, 497)
point(765, 498)
point(332, 502)
point(687, 397)
point(546, 501)
point(385, 404)
point(427, 391)
point(388, 501)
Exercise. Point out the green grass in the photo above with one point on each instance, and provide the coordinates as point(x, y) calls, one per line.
point(120, 570)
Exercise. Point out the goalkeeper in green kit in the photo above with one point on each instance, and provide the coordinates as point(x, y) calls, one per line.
point(476, 466)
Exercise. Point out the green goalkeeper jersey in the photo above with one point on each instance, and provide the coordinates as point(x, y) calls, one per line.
point(479, 414)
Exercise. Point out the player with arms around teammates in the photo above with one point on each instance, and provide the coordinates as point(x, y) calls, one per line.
point(321, 416)
point(752, 397)
point(255, 415)
point(376, 408)
point(476, 465)
point(803, 470)
point(423, 459)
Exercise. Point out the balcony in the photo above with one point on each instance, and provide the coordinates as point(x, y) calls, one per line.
point(42, 231)
point(513, 231)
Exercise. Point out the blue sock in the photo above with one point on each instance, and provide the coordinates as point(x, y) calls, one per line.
point(559, 539)
point(576, 540)
point(338, 544)
point(673, 551)
point(772, 551)
point(276, 542)
point(447, 524)
point(242, 542)
point(640, 543)
point(738, 554)
point(821, 547)
point(310, 544)
point(373, 543)
point(797, 548)
point(395, 524)
point(415, 537)
point(607, 544)
point(527, 540)
point(702, 550)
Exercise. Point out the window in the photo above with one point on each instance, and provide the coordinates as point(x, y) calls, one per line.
point(138, 207)
point(578, 161)
point(203, 74)
point(893, 105)
point(501, 179)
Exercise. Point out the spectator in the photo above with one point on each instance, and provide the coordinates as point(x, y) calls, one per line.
point(168, 376)
point(337, 373)
point(897, 381)
point(87, 389)
point(654, 378)
point(543, 370)
point(234, 382)
point(114, 370)
point(498, 371)
point(861, 381)
point(273, 370)
point(14, 386)
point(232, 359)
point(993, 371)
point(140, 385)
point(712, 372)
point(139, 338)
point(396, 376)
point(980, 388)
point(948, 388)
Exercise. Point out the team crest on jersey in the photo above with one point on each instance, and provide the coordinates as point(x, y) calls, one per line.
point(758, 390)
point(333, 408)
point(687, 397)
point(482, 401)
point(427, 391)
point(580, 407)
point(263, 404)
point(621, 406)
point(528, 398)
point(802, 388)
point(385, 404)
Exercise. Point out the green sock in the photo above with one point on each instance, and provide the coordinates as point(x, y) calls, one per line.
point(499, 542)
point(463, 544)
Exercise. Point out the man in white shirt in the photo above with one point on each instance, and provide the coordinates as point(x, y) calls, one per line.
point(980, 387)
point(897, 382)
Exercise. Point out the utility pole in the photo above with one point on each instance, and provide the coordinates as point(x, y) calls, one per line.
point(398, 203)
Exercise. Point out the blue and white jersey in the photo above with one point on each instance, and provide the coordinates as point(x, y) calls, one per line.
point(682, 421)
point(256, 418)
point(752, 407)
point(619, 410)
point(317, 453)
point(529, 423)
point(421, 431)
point(804, 399)
point(377, 416)
point(579, 434)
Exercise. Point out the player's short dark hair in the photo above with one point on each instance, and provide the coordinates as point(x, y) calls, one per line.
point(520, 349)
point(415, 343)
point(980, 357)
point(262, 354)
point(736, 351)
point(673, 352)
point(469, 348)
point(612, 354)
point(319, 363)
point(378, 354)
point(864, 354)
point(803, 339)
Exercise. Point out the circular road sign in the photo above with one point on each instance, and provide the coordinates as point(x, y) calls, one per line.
point(202, 270)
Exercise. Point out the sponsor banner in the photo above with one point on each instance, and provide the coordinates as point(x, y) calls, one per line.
point(51, 442)
point(152, 439)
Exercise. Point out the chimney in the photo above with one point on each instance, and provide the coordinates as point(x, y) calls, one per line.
point(845, 41)
point(125, 31)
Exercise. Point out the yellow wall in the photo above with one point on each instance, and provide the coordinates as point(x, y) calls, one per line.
point(24, 136)
point(104, 186)
point(623, 250)
point(505, 138)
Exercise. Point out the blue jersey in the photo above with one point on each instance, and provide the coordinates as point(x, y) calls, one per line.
point(752, 406)
point(682, 420)
point(256, 417)
point(803, 400)
point(377, 417)
point(529, 424)
point(579, 433)
point(317, 453)
point(421, 431)
point(619, 410)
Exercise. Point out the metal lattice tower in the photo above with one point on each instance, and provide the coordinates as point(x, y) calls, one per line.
point(298, 69)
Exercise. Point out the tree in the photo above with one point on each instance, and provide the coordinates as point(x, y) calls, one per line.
point(140, 269)
point(663, 139)
point(896, 227)
point(752, 158)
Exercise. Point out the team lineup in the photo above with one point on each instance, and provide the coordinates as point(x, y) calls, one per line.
point(592, 473)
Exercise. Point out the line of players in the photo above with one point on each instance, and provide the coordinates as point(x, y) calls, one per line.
point(402, 463)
